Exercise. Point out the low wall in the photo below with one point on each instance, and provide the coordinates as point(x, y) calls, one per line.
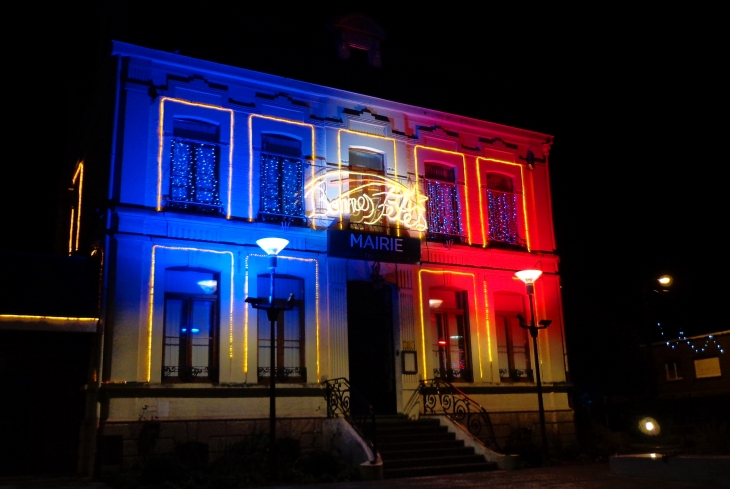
point(697, 469)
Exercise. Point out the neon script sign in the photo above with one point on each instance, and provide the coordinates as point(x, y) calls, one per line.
point(366, 199)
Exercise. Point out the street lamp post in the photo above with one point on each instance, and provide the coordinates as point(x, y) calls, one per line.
point(272, 247)
point(529, 277)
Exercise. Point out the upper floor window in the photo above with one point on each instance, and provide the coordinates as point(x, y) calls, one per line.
point(503, 211)
point(282, 174)
point(288, 344)
point(672, 370)
point(444, 222)
point(365, 196)
point(190, 351)
point(194, 167)
point(450, 327)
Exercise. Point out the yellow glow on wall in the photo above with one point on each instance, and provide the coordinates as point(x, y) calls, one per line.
point(316, 306)
point(150, 313)
point(423, 313)
point(44, 318)
point(339, 151)
point(524, 201)
point(250, 153)
point(161, 143)
point(466, 179)
point(396, 202)
point(486, 322)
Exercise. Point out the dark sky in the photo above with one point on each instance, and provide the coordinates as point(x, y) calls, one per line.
point(634, 98)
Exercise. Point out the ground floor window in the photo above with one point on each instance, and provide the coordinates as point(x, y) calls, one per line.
point(450, 327)
point(289, 332)
point(191, 327)
point(513, 350)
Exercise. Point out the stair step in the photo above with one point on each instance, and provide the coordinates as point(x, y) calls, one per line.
point(384, 440)
point(434, 461)
point(437, 470)
point(427, 453)
point(420, 445)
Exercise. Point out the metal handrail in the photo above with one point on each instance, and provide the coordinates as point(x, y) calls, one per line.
point(442, 397)
point(343, 400)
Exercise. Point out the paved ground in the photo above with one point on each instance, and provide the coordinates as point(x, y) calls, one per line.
point(591, 476)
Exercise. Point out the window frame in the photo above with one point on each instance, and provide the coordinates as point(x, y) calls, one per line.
point(455, 210)
point(282, 157)
point(505, 322)
point(263, 324)
point(514, 240)
point(441, 328)
point(181, 135)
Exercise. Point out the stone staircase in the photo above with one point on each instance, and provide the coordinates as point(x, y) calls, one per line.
point(411, 448)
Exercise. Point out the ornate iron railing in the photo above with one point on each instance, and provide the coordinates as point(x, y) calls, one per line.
point(439, 396)
point(343, 400)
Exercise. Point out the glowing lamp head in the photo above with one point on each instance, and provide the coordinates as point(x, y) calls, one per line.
point(528, 276)
point(665, 281)
point(649, 426)
point(272, 246)
point(442, 342)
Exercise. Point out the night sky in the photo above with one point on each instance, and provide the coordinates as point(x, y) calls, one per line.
point(635, 100)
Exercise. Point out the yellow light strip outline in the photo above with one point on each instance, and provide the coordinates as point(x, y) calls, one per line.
point(161, 143)
point(80, 175)
point(466, 180)
point(45, 318)
point(71, 233)
point(524, 192)
point(150, 313)
point(423, 313)
point(486, 320)
point(316, 306)
point(339, 152)
point(250, 154)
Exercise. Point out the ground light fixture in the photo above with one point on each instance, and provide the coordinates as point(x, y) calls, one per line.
point(272, 247)
point(529, 277)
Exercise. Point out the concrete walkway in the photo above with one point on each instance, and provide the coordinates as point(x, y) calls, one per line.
point(589, 476)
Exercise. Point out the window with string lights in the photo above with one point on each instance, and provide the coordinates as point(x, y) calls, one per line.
point(194, 167)
point(503, 211)
point(190, 352)
point(282, 180)
point(444, 218)
point(365, 190)
point(289, 333)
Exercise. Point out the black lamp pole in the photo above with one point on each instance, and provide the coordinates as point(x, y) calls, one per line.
point(534, 329)
point(272, 313)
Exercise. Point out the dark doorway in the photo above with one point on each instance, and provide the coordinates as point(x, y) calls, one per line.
point(370, 343)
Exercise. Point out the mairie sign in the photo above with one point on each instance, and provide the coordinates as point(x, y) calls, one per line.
point(359, 245)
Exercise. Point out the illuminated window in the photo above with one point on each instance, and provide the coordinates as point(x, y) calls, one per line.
point(366, 193)
point(191, 326)
point(672, 370)
point(444, 222)
point(707, 367)
point(512, 349)
point(289, 332)
point(450, 323)
point(281, 180)
point(503, 211)
point(194, 167)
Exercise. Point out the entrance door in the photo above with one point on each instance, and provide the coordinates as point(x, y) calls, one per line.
point(370, 344)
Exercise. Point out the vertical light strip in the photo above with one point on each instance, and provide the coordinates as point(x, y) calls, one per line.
point(476, 314)
point(316, 306)
point(152, 300)
point(466, 181)
point(250, 153)
point(524, 195)
point(161, 143)
point(486, 320)
point(71, 233)
point(80, 175)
